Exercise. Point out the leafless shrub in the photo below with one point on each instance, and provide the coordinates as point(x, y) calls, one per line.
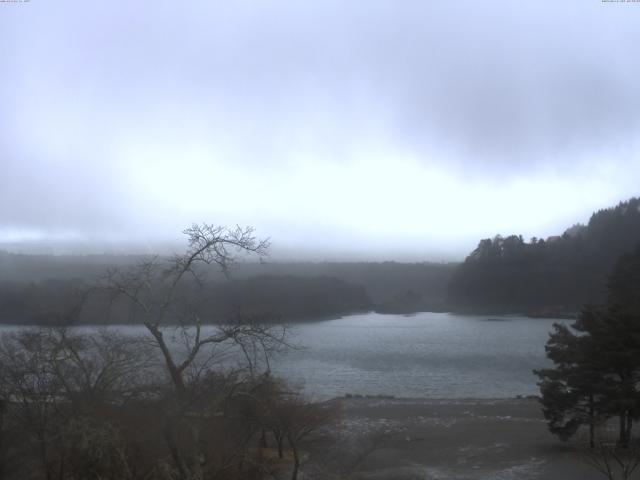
point(613, 461)
point(58, 385)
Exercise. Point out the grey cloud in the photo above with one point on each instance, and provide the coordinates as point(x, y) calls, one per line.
point(489, 90)
point(490, 80)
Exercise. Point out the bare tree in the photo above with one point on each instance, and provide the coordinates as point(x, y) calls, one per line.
point(288, 415)
point(105, 405)
point(304, 419)
point(100, 368)
point(162, 291)
point(29, 389)
point(167, 294)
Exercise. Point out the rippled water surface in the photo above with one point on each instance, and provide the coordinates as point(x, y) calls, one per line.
point(437, 355)
point(424, 355)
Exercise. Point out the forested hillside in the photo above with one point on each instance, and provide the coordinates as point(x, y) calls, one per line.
point(265, 298)
point(556, 275)
point(40, 288)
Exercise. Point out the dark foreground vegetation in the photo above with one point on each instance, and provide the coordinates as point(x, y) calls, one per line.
point(597, 361)
point(181, 402)
point(100, 406)
point(596, 374)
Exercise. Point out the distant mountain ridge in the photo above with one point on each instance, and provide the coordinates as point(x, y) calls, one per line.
point(553, 276)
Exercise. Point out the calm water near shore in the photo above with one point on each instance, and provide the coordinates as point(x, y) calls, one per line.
point(435, 355)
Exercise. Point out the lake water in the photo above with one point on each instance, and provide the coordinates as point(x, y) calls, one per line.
point(436, 355)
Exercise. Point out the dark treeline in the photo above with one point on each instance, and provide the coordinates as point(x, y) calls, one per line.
point(288, 297)
point(551, 276)
point(504, 274)
point(383, 281)
point(272, 298)
point(43, 289)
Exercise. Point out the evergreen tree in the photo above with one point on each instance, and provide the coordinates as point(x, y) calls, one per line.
point(596, 372)
point(572, 392)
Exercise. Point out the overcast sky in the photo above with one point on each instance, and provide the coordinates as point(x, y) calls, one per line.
point(365, 129)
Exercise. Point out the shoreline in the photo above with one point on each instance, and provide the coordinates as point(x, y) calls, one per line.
point(377, 438)
point(314, 319)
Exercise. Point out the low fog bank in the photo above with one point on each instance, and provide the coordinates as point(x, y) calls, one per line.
point(44, 289)
point(505, 274)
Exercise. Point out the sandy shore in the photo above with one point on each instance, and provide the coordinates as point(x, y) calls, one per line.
point(377, 438)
